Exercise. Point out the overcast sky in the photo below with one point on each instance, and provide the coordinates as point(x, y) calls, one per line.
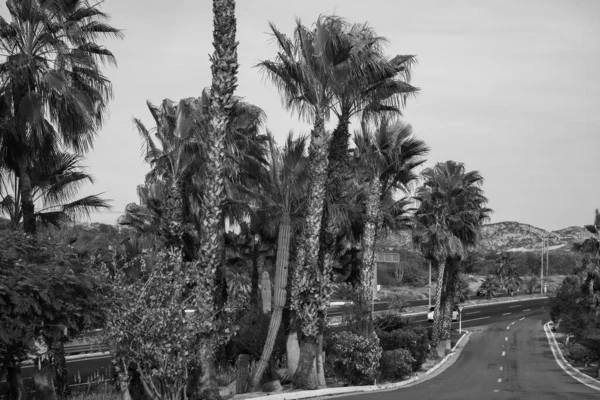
point(510, 88)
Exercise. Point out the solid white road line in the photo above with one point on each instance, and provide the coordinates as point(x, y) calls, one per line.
point(507, 313)
point(468, 320)
point(503, 353)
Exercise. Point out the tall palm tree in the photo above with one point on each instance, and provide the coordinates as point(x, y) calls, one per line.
point(451, 211)
point(279, 191)
point(386, 156)
point(303, 71)
point(378, 88)
point(52, 81)
point(224, 66)
point(54, 185)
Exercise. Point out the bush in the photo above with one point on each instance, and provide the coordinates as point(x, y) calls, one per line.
point(531, 284)
point(351, 358)
point(250, 339)
point(388, 322)
point(413, 338)
point(580, 354)
point(395, 364)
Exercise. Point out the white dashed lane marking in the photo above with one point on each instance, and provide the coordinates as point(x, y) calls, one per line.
point(522, 319)
point(515, 306)
point(501, 368)
point(499, 380)
point(506, 313)
point(503, 353)
point(506, 339)
point(529, 309)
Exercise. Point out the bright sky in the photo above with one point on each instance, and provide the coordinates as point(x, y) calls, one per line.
point(509, 87)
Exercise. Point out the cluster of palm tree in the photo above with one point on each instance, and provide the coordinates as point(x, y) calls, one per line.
point(452, 208)
point(54, 99)
point(314, 201)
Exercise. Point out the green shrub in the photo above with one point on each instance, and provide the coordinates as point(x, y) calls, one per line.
point(351, 358)
point(413, 338)
point(395, 364)
point(388, 322)
point(250, 339)
point(580, 354)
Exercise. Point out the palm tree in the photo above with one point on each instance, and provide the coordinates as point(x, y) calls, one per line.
point(279, 191)
point(224, 66)
point(489, 286)
point(54, 184)
point(386, 157)
point(178, 160)
point(512, 278)
point(451, 211)
point(379, 87)
point(53, 84)
point(303, 71)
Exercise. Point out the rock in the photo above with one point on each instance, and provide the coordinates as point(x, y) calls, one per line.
point(273, 386)
point(228, 391)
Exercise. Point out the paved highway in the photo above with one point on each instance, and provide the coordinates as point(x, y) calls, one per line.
point(383, 305)
point(508, 359)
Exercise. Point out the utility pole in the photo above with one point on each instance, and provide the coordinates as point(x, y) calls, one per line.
point(429, 285)
point(542, 271)
point(547, 260)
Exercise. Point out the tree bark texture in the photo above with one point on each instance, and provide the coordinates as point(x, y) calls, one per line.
point(27, 206)
point(437, 317)
point(305, 376)
point(365, 290)
point(311, 286)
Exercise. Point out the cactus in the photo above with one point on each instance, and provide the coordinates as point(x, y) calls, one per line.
point(265, 288)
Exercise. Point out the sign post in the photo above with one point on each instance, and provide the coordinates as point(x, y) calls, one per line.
point(460, 320)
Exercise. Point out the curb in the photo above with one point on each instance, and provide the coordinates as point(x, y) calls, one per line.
point(564, 364)
point(359, 389)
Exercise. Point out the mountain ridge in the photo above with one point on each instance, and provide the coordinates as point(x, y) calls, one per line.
point(505, 236)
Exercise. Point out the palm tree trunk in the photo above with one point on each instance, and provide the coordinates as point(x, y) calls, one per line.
point(15, 381)
point(60, 370)
point(281, 273)
point(27, 206)
point(336, 174)
point(209, 387)
point(312, 283)
point(224, 66)
point(436, 335)
point(254, 277)
point(43, 379)
point(365, 291)
point(172, 219)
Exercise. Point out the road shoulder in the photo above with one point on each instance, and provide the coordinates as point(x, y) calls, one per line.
point(564, 364)
point(432, 372)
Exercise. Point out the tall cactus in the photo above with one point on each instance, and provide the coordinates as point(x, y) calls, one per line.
point(265, 289)
point(281, 276)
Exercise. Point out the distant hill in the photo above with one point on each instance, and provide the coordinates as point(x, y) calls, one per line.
point(504, 236)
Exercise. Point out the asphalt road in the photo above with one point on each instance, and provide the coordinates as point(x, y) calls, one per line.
point(509, 359)
point(383, 305)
